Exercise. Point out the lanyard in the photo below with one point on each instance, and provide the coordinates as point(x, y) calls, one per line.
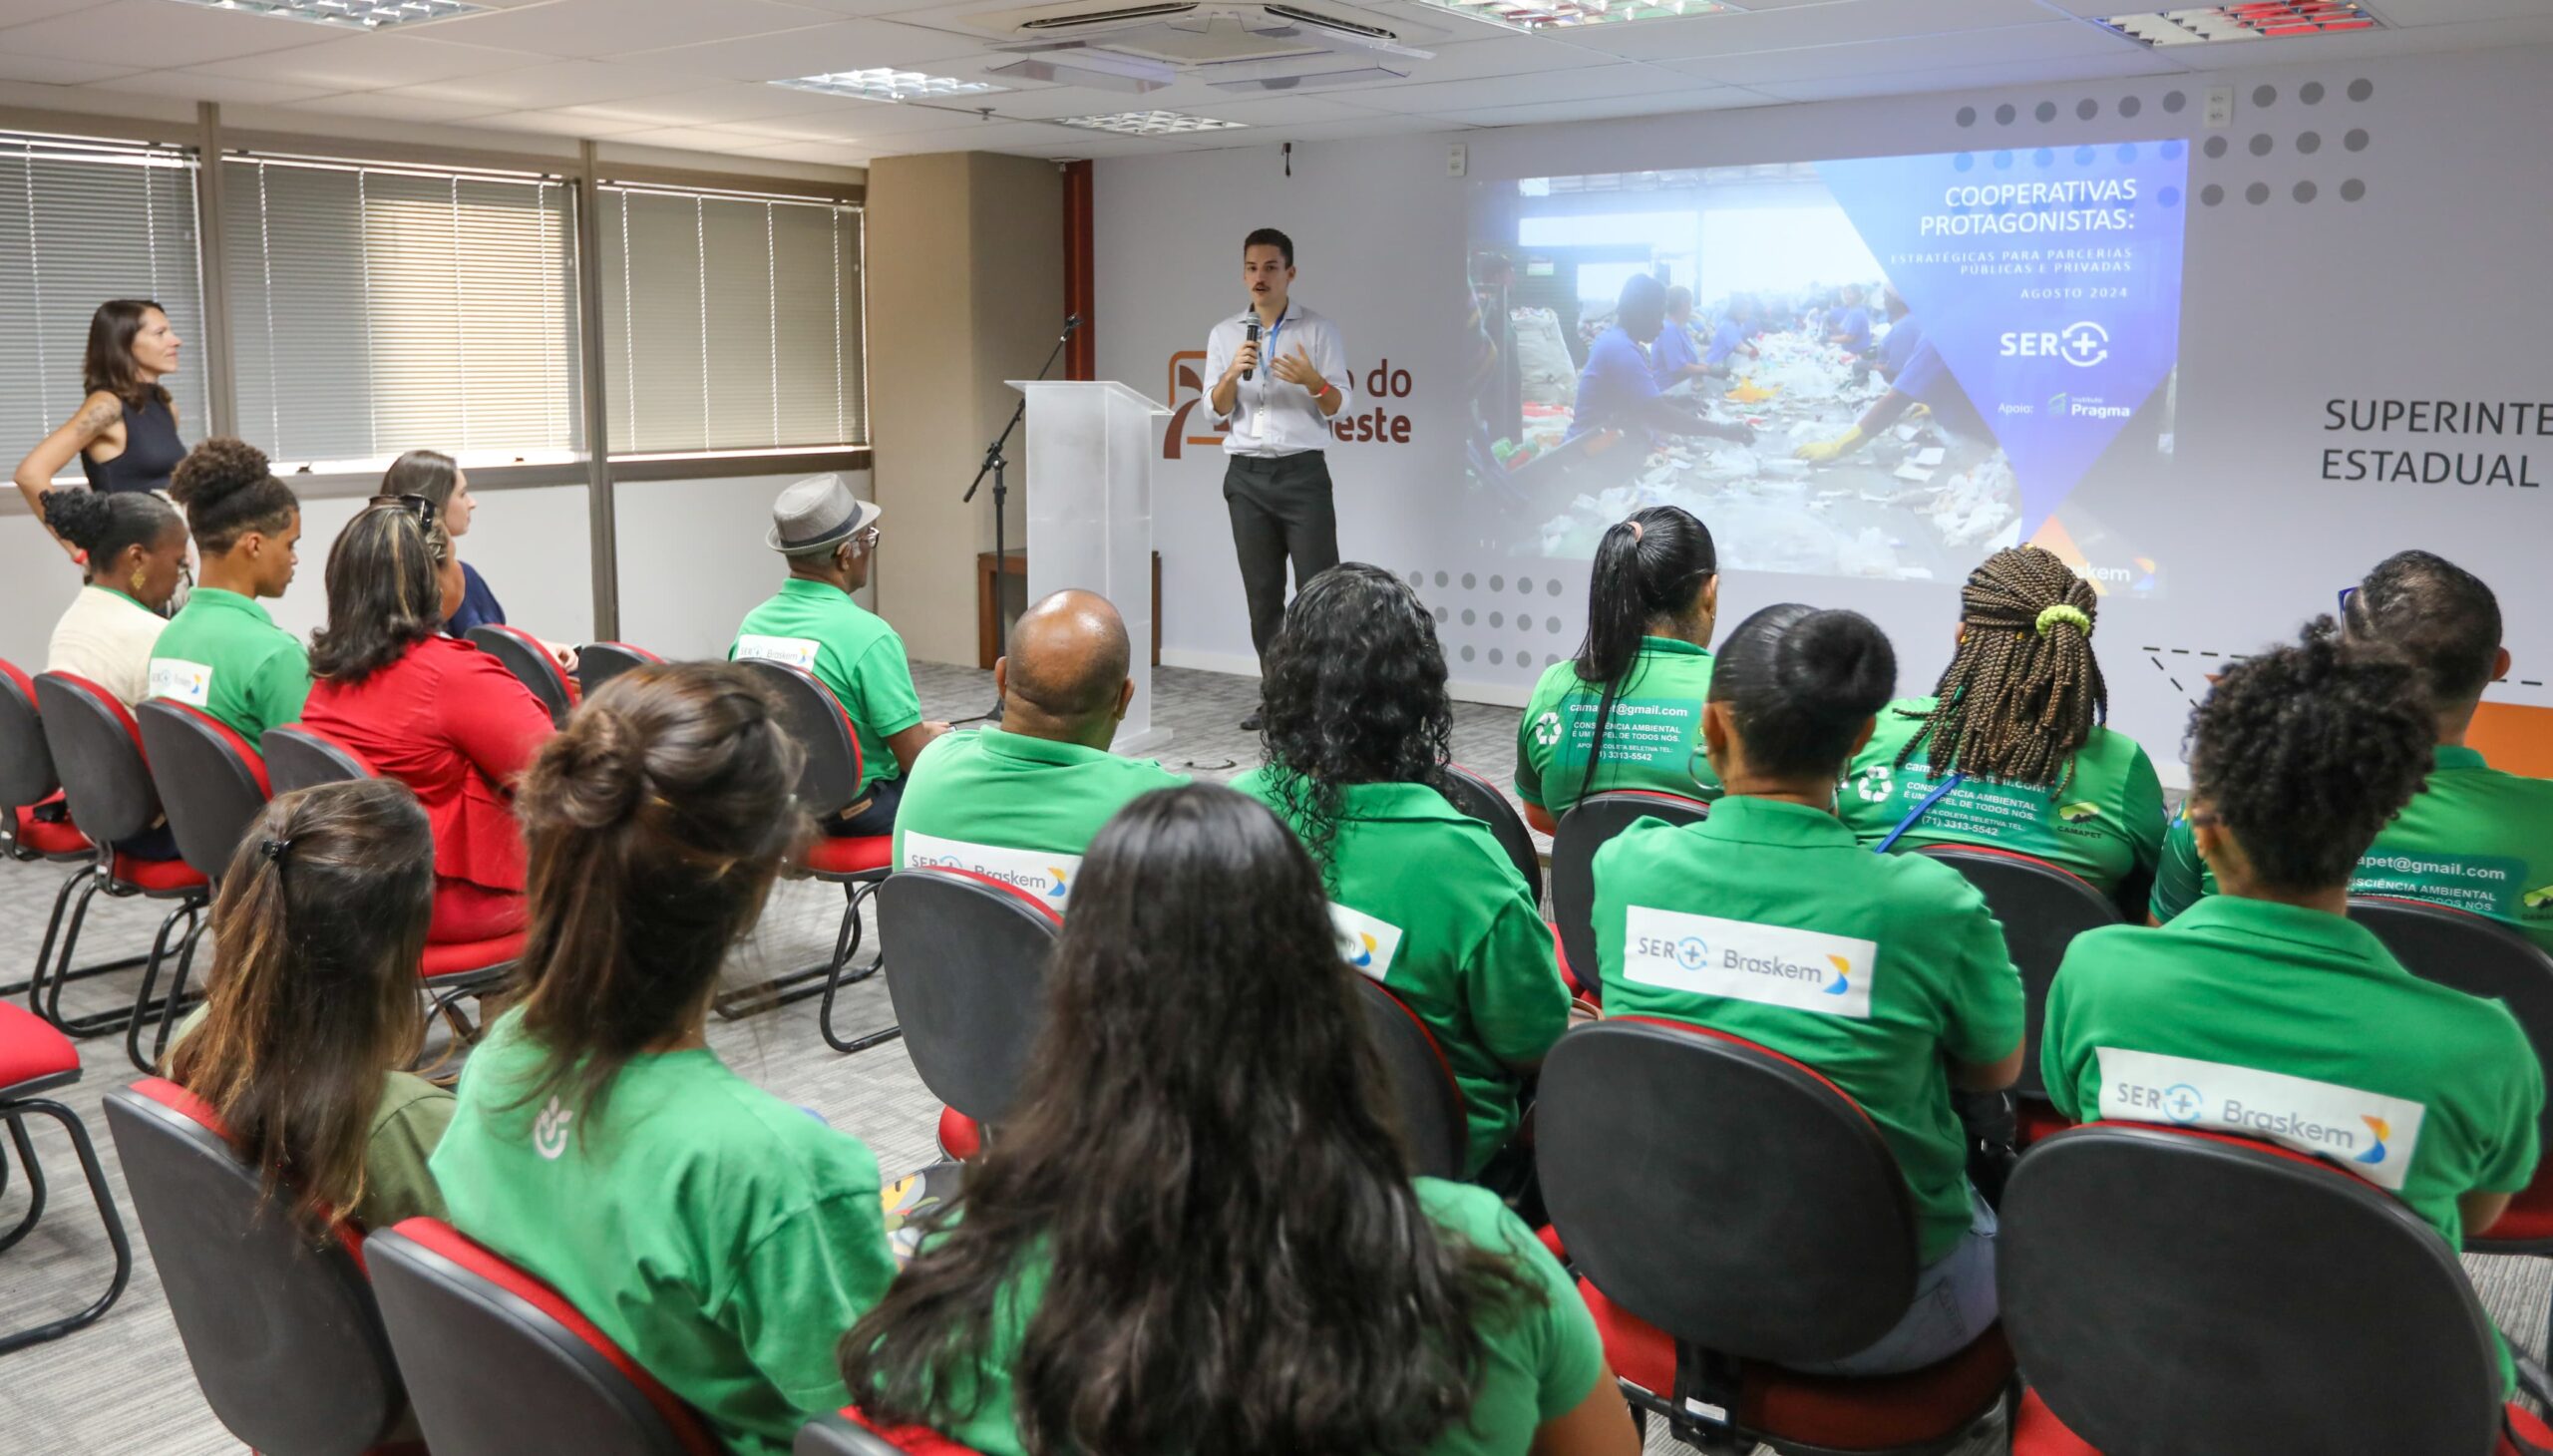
point(1911, 815)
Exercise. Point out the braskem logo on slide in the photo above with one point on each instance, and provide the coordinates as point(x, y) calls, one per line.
point(1366, 942)
point(2373, 1135)
point(1773, 965)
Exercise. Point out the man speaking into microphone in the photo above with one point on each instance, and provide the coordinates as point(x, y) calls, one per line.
point(1280, 373)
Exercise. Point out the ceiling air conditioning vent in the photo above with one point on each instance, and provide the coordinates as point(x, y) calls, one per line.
point(1111, 15)
point(1246, 45)
point(1300, 16)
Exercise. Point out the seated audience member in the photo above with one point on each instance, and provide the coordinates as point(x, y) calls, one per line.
point(312, 1018)
point(221, 652)
point(1627, 712)
point(2017, 718)
point(1356, 732)
point(2468, 816)
point(1020, 801)
point(438, 715)
point(829, 539)
point(136, 547)
point(437, 479)
point(1923, 997)
point(716, 1233)
point(1202, 1177)
point(2267, 998)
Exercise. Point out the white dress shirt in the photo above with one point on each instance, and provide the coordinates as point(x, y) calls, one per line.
point(106, 638)
point(1270, 417)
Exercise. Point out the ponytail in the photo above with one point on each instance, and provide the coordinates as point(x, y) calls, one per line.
point(2023, 691)
point(1647, 570)
point(655, 824)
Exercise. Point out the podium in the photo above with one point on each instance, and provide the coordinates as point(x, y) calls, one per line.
point(1091, 446)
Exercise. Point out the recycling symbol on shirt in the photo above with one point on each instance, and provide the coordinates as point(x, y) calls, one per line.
point(1547, 729)
point(1877, 782)
point(549, 1131)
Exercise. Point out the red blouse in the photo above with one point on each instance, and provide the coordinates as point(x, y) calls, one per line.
point(453, 724)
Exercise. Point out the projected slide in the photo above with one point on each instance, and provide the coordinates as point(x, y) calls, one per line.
point(1884, 367)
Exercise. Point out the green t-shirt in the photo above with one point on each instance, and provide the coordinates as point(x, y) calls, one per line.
point(1462, 944)
point(2473, 839)
point(2299, 1027)
point(1770, 922)
point(406, 1126)
point(1540, 1362)
point(2105, 824)
point(850, 650)
point(724, 1238)
point(1653, 740)
point(223, 654)
point(1019, 809)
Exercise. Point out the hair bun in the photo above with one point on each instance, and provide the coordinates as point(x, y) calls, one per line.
point(78, 517)
point(219, 468)
point(1846, 660)
point(602, 769)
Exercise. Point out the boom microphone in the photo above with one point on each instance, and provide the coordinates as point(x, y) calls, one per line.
point(1254, 338)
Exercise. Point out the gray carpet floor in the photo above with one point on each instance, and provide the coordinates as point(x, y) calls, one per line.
point(122, 1387)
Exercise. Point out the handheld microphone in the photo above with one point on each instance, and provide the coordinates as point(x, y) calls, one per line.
point(1254, 338)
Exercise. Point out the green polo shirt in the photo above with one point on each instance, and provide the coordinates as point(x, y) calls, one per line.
point(1461, 941)
point(2299, 1027)
point(1653, 740)
point(2473, 839)
point(722, 1237)
point(1019, 809)
point(1770, 922)
point(223, 654)
point(1540, 1359)
point(2104, 823)
point(850, 650)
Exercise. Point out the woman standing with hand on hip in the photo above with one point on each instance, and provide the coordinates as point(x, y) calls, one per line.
point(126, 431)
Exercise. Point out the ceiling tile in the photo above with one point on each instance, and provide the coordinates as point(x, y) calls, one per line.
point(395, 106)
point(560, 124)
point(605, 27)
point(847, 45)
point(19, 12)
point(830, 154)
point(371, 62)
point(1997, 46)
point(1710, 99)
point(45, 71)
point(553, 84)
point(154, 34)
point(1972, 78)
point(1508, 55)
point(1622, 79)
point(1829, 23)
point(854, 119)
point(733, 101)
point(232, 90)
point(2353, 47)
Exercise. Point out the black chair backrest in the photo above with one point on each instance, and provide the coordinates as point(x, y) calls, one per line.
point(1583, 830)
point(98, 752)
point(1480, 799)
point(2165, 1294)
point(298, 758)
point(1424, 1096)
point(1731, 1197)
point(210, 780)
point(2042, 910)
point(2477, 956)
point(527, 661)
point(285, 1337)
point(833, 1435)
point(601, 662)
point(966, 969)
point(500, 1365)
point(26, 763)
point(809, 711)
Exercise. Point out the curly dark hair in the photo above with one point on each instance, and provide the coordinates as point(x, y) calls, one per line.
point(107, 526)
point(2023, 691)
point(2304, 753)
point(1801, 682)
point(1203, 1165)
point(2436, 613)
point(1354, 694)
point(229, 490)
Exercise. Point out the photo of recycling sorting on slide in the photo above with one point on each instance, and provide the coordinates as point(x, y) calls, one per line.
point(1885, 367)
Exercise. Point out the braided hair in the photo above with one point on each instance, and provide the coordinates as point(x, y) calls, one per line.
point(2024, 692)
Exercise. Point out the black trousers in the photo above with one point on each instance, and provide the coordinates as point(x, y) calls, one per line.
point(1281, 509)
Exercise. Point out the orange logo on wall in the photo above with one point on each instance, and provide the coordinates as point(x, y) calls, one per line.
point(1186, 392)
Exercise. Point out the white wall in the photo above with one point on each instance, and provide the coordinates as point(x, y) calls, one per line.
point(2428, 288)
point(530, 545)
point(693, 563)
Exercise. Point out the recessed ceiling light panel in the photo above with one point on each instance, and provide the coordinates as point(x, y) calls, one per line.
point(2256, 21)
point(1533, 15)
point(1151, 124)
point(351, 14)
point(886, 83)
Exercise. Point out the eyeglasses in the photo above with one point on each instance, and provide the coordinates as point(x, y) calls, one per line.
point(866, 537)
point(419, 506)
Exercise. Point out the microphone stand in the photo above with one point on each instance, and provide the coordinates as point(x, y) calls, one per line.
point(997, 465)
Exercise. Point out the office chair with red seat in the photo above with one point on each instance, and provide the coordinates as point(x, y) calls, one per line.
point(35, 822)
point(965, 957)
point(1589, 825)
point(525, 657)
point(213, 784)
point(849, 1433)
point(1425, 1098)
point(35, 1058)
point(2184, 1292)
point(500, 1364)
point(1731, 1213)
point(2042, 908)
point(827, 785)
point(278, 1323)
point(601, 662)
point(106, 781)
point(1479, 798)
point(301, 757)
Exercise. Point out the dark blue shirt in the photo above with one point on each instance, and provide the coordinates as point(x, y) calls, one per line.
point(1899, 347)
point(1724, 341)
point(479, 605)
point(1928, 378)
point(1855, 325)
point(1610, 389)
point(1672, 354)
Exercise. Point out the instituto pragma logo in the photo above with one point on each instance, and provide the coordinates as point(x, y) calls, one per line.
point(2371, 1134)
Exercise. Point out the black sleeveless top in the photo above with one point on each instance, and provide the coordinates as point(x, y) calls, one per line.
point(151, 450)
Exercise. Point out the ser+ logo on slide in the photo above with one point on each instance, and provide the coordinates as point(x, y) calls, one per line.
point(2081, 345)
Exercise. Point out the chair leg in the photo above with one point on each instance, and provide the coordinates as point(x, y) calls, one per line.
point(35, 1184)
point(44, 991)
point(169, 1010)
point(814, 980)
point(845, 945)
point(107, 1023)
point(107, 1215)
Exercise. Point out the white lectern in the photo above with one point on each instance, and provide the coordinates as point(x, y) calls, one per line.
point(1091, 445)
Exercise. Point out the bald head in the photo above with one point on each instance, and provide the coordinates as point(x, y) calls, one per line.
point(1065, 676)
